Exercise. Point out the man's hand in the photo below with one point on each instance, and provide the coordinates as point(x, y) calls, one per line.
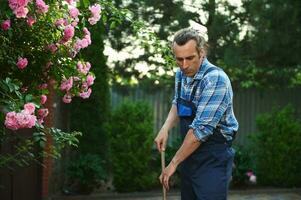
point(161, 140)
point(167, 173)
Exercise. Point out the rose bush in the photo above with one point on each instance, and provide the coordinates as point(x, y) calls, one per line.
point(41, 43)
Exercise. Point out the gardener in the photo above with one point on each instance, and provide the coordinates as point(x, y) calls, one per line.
point(203, 105)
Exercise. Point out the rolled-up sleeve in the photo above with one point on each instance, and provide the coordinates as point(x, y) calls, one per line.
point(211, 106)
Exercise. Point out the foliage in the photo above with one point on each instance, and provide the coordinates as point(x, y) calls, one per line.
point(274, 52)
point(92, 124)
point(276, 147)
point(159, 19)
point(243, 162)
point(81, 117)
point(130, 139)
point(246, 40)
point(41, 44)
point(85, 173)
point(24, 147)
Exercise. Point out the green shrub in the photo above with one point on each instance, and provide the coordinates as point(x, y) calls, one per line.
point(277, 148)
point(131, 140)
point(85, 173)
point(243, 162)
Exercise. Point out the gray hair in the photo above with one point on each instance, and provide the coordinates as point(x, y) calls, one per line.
point(182, 36)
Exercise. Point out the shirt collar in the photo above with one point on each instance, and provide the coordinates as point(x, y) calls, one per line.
point(202, 69)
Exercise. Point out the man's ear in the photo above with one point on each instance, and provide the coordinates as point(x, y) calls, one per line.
point(201, 53)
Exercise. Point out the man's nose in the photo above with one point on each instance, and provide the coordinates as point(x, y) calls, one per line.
point(185, 64)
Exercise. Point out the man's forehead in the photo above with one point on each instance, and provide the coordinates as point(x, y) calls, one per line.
point(184, 51)
point(186, 56)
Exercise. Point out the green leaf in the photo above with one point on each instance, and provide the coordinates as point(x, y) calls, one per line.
point(42, 144)
point(85, 3)
point(113, 25)
point(28, 98)
point(104, 19)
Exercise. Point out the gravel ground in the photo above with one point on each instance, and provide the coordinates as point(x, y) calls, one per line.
point(258, 194)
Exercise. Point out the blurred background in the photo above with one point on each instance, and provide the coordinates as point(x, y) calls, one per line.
point(256, 42)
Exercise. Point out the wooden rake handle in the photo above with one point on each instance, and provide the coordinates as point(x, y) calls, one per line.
point(163, 167)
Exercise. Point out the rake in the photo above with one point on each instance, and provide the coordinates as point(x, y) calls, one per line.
point(163, 167)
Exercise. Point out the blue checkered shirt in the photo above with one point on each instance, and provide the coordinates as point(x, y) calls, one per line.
point(213, 100)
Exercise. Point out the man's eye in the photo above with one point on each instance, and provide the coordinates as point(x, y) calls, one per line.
point(179, 59)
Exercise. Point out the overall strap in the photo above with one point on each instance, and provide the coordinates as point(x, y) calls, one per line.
point(197, 84)
point(179, 86)
point(194, 90)
point(210, 69)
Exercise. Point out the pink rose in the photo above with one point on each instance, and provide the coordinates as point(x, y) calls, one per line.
point(249, 173)
point(5, 25)
point(66, 84)
point(84, 86)
point(15, 4)
point(86, 94)
point(69, 1)
point(90, 80)
point(88, 65)
point(26, 120)
point(22, 63)
point(43, 99)
point(21, 12)
point(95, 11)
point(68, 33)
point(92, 21)
point(42, 6)
point(30, 21)
point(43, 112)
point(74, 23)
point(67, 98)
point(83, 67)
point(86, 31)
point(42, 86)
point(80, 44)
point(24, 89)
point(60, 22)
point(84, 43)
point(52, 48)
point(253, 179)
point(88, 38)
point(29, 108)
point(40, 121)
point(74, 12)
point(11, 121)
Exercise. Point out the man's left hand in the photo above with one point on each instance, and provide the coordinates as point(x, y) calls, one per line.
point(167, 173)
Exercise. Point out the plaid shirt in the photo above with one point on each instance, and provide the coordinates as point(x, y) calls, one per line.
point(213, 101)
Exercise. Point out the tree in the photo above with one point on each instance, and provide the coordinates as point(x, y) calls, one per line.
point(272, 40)
point(219, 17)
point(162, 18)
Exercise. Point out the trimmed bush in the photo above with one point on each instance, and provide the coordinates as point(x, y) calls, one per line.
point(131, 140)
point(277, 148)
point(85, 173)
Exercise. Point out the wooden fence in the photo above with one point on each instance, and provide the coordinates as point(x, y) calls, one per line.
point(248, 103)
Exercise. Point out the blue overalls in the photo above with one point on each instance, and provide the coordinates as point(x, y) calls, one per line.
point(206, 173)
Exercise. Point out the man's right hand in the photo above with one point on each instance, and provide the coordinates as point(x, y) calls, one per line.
point(161, 139)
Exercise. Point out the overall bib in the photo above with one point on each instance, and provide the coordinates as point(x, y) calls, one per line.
point(206, 173)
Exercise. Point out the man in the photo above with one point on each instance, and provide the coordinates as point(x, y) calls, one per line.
point(203, 105)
